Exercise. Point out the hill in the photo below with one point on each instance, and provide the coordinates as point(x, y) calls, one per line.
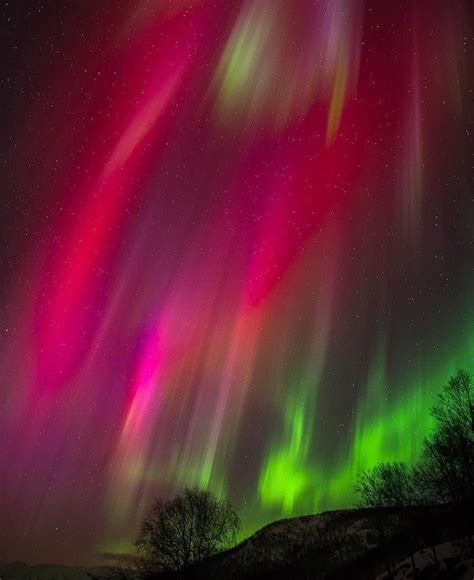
point(356, 544)
point(359, 544)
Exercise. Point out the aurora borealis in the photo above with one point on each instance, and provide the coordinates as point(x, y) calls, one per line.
point(237, 253)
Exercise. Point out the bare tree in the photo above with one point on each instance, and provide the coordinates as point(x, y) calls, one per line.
point(388, 485)
point(385, 485)
point(450, 450)
point(445, 472)
point(447, 465)
point(455, 408)
point(184, 530)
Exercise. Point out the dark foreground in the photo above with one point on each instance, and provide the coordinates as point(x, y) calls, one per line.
point(358, 544)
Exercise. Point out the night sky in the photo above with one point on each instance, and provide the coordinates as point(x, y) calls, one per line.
point(236, 252)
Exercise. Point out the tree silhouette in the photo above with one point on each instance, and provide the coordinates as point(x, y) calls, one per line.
point(184, 530)
point(385, 485)
point(445, 472)
point(447, 465)
point(455, 408)
point(449, 452)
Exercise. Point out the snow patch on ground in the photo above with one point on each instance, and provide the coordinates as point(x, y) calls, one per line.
point(453, 562)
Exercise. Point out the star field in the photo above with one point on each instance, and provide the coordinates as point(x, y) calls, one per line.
point(236, 253)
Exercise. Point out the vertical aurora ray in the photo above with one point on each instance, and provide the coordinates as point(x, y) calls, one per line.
point(71, 286)
point(290, 472)
point(252, 272)
point(412, 185)
point(322, 63)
